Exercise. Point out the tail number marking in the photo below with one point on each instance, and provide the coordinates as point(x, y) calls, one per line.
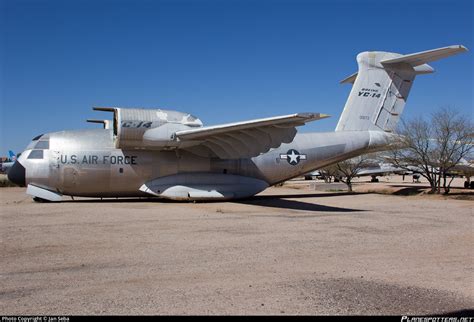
point(369, 92)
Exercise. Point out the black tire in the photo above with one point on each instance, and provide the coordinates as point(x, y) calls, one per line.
point(41, 200)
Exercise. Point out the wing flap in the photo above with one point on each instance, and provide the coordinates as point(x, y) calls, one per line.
point(245, 139)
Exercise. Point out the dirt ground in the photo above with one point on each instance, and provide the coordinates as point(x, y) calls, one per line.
point(291, 250)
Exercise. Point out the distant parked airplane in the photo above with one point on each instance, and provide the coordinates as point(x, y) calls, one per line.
point(6, 166)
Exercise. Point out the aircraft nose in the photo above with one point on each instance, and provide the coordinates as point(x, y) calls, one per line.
point(17, 174)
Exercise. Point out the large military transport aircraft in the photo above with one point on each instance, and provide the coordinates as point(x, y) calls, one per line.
point(170, 154)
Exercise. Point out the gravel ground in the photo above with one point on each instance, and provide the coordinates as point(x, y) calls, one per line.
point(287, 251)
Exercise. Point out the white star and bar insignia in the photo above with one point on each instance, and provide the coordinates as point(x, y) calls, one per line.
point(293, 157)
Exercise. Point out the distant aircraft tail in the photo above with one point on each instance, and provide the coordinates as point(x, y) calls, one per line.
point(381, 86)
point(11, 155)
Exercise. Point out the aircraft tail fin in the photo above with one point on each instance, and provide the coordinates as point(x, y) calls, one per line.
point(381, 87)
point(11, 155)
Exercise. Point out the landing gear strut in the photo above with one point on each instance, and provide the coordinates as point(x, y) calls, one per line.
point(374, 179)
point(468, 184)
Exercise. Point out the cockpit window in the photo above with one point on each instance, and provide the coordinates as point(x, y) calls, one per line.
point(42, 145)
point(36, 138)
point(36, 154)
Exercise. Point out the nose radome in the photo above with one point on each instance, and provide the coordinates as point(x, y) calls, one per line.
point(17, 174)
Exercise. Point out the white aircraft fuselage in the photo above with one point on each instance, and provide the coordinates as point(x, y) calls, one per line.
point(86, 163)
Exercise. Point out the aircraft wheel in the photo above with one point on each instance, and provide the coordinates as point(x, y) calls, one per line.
point(37, 199)
point(466, 184)
point(472, 185)
point(308, 177)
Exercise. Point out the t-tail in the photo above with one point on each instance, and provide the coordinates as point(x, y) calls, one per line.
point(381, 86)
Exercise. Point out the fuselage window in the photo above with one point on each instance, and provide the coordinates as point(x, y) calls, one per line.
point(36, 154)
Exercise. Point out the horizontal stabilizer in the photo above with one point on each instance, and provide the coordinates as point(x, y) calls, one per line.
point(424, 57)
point(349, 79)
point(381, 86)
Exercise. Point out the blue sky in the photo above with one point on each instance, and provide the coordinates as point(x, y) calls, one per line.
point(222, 61)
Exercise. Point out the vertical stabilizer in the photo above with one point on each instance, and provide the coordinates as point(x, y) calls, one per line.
point(381, 87)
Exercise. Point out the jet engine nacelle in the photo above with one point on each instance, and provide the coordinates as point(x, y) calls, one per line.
point(149, 128)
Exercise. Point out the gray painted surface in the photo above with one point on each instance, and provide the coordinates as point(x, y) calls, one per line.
point(170, 154)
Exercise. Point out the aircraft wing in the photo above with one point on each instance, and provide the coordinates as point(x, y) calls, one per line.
point(380, 171)
point(244, 139)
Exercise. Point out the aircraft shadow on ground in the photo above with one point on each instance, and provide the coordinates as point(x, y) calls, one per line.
point(459, 313)
point(123, 200)
point(278, 201)
point(413, 190)
point(275, 201)
point(408, 190)
point(313, 195)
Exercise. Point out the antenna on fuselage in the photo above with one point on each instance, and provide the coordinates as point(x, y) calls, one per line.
point(106, 123)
